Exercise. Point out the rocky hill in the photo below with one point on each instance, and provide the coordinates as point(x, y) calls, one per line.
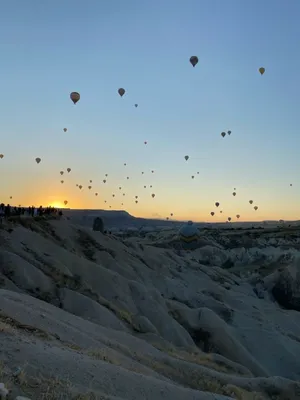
point(89, 316)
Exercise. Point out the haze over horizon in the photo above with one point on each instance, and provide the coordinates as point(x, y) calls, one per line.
point(52, 49)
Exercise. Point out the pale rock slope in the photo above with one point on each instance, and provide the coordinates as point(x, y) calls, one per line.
point(89, 316)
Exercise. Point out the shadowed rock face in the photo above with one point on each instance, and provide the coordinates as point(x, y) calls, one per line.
point(286, 290)
point(98, 225)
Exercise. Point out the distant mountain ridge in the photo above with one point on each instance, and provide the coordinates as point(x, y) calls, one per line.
point(114, 218)
point(123, 220)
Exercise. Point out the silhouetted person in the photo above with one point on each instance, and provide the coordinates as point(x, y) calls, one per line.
point(7, 211)
point(2, 214)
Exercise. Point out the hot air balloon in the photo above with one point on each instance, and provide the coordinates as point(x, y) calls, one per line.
point(91, 181)
point(189, 235)
point(261, 70)
point(125, 164)
point(120, 187)
point(255, 208)
point(233, 194)
point(61, 181)
point(186, 158)
point(145, 142)
point(153, 195)
point(113, 195)
point(121, 92)
point(251, 201)
point(194, 60)
point(145, 187)
point(104, 180)
point(136, 201)
point(229, 133)
point(127, 177)
point(238, 216)
point(66, 202)
point(10, 197)
point(61, 172)
point(223, 134)
point(135, 105)
point(90, 187)
point(1, 156)
point(65, 129)
point(229, 219)
point(217, 204)
point(38, 160)
point(96, 194)
point(80, 187)
point(75, 97)
point(193, 177)
point(291, 184)
point(212, 213)
point(69, 169)
point(106, 175)
point(171, 214)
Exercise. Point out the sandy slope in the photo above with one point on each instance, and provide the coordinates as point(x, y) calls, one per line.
point(87, 316)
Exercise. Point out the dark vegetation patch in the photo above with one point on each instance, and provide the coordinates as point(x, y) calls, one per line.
point(89, 246)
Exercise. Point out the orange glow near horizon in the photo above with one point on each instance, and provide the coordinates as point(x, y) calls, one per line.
point(57, 204)
point(159, 208)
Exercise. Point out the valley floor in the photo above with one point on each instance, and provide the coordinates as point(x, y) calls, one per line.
point(89, 316)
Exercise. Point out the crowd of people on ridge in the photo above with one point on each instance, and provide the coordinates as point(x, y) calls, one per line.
point(7, 211)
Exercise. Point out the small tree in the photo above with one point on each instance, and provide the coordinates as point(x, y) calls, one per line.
point(98, 225)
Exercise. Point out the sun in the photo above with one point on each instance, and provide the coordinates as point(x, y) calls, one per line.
point(57, 204)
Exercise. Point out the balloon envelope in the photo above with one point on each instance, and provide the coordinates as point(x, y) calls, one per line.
point(194, 60)
point(188, 234)
point(75, 97)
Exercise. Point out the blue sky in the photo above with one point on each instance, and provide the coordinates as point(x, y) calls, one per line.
point(49, 49)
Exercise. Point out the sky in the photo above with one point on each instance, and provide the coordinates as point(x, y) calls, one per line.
point(50, 49)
